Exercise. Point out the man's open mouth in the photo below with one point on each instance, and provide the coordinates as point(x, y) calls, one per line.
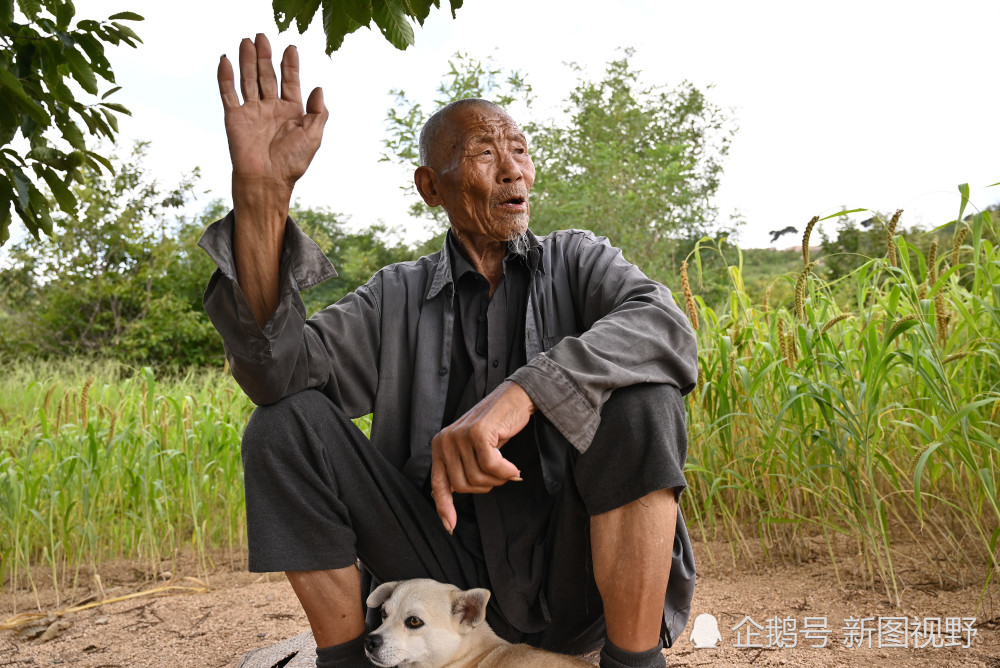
point(514, 202)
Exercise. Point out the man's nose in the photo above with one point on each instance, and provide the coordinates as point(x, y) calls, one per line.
point(508, 169)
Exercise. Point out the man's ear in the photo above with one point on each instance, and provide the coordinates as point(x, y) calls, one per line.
point(470, 606)
point(425, 179)
point(381, 594)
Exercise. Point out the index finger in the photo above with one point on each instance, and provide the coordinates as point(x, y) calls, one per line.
point(290, 90)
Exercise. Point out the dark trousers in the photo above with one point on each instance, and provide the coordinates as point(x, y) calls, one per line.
point(320, 496)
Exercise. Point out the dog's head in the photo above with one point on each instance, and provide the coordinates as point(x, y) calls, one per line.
point(423, 622)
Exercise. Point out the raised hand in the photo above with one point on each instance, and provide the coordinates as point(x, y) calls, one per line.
point(465, 456)
point(272, 139)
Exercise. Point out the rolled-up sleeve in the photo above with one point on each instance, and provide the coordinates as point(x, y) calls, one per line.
point(336, 350)
point(633, 333)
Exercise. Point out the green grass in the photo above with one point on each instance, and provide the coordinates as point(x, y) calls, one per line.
point(874, 418)
point(98, 461)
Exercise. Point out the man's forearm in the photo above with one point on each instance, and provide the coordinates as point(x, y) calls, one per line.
point(260, 212)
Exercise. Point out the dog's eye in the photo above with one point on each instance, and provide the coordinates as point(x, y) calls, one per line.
point(414, 622)
point(384, 613)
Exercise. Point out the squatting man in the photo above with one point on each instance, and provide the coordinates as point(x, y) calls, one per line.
point(528, 432)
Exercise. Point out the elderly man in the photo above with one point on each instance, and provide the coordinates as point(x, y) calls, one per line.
point(528, 432)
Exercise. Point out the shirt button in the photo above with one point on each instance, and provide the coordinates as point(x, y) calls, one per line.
point(496, 363)
point(443, 371)
point(482, 318)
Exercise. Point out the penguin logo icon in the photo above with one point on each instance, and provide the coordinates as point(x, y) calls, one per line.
point(705, 633)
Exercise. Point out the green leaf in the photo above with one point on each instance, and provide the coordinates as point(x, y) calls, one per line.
point(64, 14)
point(112, 119)
point(64, 196)
point(111, 92)
point(101, 126)
point(305, 15)
point(126, 32)
point(80, 69)
point(284, 12)
point(95, 50)
point(114, 106)
point(391, 20)
point(40, 207)
point(359, 11)
point(6, 193)
point(10, 83)
point(23, 186)
point(29, 8)
point(455, 5)
point(418, 9)
point(840, 213)
point(6, 16)
point(71, 133)
point(126, 16)
point(336, 24)
point(964, 190)
point(101, 159)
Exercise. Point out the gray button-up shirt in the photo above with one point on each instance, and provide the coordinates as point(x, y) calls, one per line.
point(593, 322)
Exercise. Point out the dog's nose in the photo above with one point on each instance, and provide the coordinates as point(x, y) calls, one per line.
point(373, 642)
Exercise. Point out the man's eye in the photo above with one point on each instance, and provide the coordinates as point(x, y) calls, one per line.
point(414, 622)
point(487, 152)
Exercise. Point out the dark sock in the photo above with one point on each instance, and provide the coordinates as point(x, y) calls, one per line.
point(613, 656)
point(350, 654)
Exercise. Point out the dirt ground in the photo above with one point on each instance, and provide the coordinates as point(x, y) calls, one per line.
point(224, 614)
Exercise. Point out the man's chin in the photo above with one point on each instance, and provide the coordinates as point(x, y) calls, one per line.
point(516, 226)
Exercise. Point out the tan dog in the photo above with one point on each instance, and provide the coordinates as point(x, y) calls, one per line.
point(427, 624)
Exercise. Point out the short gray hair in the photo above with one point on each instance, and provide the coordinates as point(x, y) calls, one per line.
point(432, 128)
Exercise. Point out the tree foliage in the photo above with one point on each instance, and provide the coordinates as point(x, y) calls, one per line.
point(638, 164)
point(122, 278)
point(342, 17)
point(43, 59)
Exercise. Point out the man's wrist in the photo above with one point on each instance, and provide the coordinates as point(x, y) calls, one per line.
point(523, 399)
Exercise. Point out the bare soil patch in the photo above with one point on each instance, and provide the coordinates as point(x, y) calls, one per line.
point(235, 611)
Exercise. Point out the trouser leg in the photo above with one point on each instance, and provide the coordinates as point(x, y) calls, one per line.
point(640, 447)
point(319, 496)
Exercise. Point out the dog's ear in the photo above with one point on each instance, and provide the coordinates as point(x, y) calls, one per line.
point(382, 594)
point(470, 606)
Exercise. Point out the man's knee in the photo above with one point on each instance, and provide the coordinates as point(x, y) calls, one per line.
point(640, 447)
point(279, 429)
point(656, 399)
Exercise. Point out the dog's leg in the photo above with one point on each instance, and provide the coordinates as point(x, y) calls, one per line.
point(632, 550)
point(332, 603)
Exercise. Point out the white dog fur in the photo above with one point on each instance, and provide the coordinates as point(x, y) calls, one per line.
point(427, 624)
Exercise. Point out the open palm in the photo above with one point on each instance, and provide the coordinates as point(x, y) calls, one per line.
point(271, 138)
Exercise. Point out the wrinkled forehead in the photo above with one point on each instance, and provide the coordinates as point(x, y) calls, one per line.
point(481, 123)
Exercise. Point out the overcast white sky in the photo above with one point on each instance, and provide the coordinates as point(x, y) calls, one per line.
point(871, 104)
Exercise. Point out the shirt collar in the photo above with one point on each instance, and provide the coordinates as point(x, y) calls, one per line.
point(453, 263)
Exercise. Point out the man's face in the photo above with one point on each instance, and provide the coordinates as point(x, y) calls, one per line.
point(484, 174)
